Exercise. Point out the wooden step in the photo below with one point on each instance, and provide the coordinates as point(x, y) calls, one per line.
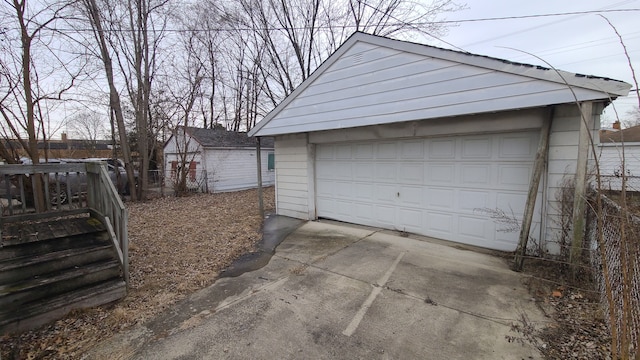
point(54, 245)
point(25, 267)
point(33, 231)
point(38, 313)
point(16, 295)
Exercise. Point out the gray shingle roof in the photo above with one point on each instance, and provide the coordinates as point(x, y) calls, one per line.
point(220, 137)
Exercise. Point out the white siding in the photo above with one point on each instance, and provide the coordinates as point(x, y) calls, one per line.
point(292, 181)
point(236, 169)
point(610, 161)
point(561, 166)
point(189, 157)
point(370, 84)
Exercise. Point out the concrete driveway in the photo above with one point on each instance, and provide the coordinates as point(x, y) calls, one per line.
point(339, 292)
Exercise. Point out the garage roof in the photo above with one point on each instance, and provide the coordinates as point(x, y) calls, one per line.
point(372, 80)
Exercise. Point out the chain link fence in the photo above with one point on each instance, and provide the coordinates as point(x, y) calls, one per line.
point(620, 252)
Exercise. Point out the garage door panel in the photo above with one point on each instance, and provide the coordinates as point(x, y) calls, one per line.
point(477, 148)
point(410, 220)
point(324, 189)
point(511, 203)
point(364, 171)
point(474, 229)
point(385, 215)
point(386, 194)
point(364, 213)
point(365, 192)
point(440, 199)
point(440, 174)
point(386, 172)
point(412, 173)
point(440, 224)
point(514, 176)
point(470, 201)
point(441, 149)
point(429, 186)
point(412, 150)
point(345, 209)
point(343, 152)
point(411, 196)
point(364, 151)
point(324, 152)
point(344, 190)
point(473, 175)
point(387, 150)
point(517, 147)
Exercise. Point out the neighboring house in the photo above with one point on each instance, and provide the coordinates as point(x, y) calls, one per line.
point(420, 139)
point(218, 160)
point(612, 147)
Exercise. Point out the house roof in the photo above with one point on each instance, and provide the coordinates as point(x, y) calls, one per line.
point(219, 137)
point(631, 134)
point(371, 80)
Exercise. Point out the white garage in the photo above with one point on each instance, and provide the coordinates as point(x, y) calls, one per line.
point(431, 141)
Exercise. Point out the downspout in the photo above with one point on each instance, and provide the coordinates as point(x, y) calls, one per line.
point(259, 163)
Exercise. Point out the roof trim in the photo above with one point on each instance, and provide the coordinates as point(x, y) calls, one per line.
point(608, 87)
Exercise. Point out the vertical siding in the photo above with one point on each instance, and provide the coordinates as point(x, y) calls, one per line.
point(236, 169)
point(292, 197)
point(561, 166)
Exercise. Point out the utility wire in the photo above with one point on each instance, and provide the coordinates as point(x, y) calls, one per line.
point(414, 24)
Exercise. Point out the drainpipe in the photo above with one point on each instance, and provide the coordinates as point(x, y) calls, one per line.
point(259, 162)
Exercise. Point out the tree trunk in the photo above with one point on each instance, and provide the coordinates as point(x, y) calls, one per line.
point(114, 96)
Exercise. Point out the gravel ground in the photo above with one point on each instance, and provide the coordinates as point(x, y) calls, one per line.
point(177, 246)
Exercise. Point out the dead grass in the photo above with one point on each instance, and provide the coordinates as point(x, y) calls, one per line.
point(177, 246)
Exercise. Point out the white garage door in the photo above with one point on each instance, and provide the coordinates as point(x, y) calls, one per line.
point(439, 187)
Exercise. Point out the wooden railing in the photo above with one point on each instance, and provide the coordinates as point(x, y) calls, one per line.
point(33, 192)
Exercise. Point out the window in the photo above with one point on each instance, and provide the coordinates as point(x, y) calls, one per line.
point(271, 161)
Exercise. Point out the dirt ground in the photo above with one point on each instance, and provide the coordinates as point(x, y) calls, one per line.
point(177, 246)
point(579, 330)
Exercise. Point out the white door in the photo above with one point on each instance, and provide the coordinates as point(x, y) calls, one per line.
point(443, 187)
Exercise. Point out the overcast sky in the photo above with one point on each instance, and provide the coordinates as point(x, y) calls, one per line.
point(583, 44)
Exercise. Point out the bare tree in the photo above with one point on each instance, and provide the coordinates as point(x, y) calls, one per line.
point(30, 58)
point(26, 93)
point(632, 118)
point(94, 17)
point(133, 31)
point(286, 40)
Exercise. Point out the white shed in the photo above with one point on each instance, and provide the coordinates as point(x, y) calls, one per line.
point(218, 160)
point(420, 139)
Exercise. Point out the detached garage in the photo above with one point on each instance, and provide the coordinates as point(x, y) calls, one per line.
point(429, 141)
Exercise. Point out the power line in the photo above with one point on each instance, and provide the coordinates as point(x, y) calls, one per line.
point(414, 24)
point(517, 17)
